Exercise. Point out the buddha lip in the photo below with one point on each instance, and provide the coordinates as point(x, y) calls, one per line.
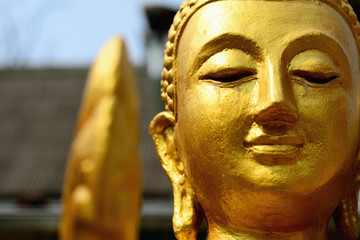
point(275, 141)
point(274, 150)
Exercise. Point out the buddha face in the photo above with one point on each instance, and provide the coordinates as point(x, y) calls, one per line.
point(268, 112)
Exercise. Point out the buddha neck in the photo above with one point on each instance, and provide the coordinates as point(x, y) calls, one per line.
point(311, 233)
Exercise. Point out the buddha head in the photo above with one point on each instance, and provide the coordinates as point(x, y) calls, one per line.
point(260, 135)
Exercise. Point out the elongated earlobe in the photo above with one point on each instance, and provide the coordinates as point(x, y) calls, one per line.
point(187, 211)
point(346, 214)
point(346, 217)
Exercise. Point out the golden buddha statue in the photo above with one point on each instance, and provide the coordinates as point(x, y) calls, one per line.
point(261, 130)
point(102, 193)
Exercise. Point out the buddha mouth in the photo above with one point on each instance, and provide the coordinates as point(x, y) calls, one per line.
point(275, 150)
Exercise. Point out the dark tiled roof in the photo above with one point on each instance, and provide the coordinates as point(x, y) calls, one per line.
point(37, 115)
point(38, 110)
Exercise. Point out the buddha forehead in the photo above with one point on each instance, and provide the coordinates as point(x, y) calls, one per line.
point(267, 28)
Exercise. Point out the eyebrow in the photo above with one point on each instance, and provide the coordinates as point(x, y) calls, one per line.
point(227, 41)
point(315, 40)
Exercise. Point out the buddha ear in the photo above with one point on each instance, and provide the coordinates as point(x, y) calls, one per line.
point(187, 211)
point(162, 132)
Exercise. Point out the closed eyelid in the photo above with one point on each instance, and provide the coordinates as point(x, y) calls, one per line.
point(315, 67)
point(227, 62)
point(314, 61)
point(310, 46)
point(223, 42)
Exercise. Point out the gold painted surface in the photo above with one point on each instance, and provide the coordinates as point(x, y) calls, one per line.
point(261, 130)
point(103, 184)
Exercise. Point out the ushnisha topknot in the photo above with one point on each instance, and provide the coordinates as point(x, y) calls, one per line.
point(187, 9)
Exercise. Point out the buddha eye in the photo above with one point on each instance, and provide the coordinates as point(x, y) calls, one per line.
point(316, 77)
point(228, 76)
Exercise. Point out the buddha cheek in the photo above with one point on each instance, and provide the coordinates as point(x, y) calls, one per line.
point(331, 130)
point(212, 122)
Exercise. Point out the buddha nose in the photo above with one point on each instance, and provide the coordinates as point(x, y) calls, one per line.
point(275, 101)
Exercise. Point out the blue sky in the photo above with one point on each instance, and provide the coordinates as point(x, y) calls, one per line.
point(36, 33)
